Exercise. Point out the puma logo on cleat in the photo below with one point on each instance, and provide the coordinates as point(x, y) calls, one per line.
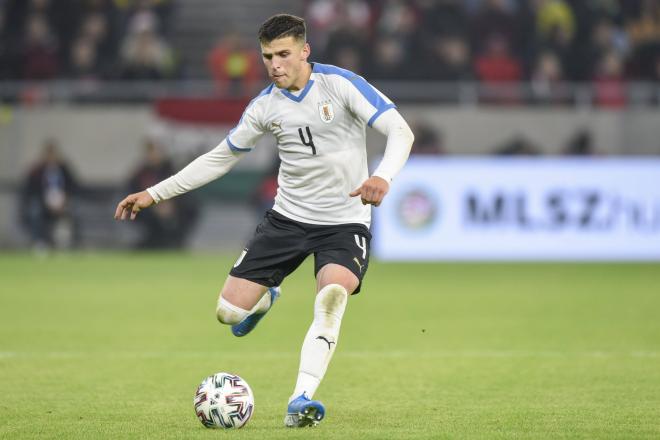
point(329, 342)
point(358, 263)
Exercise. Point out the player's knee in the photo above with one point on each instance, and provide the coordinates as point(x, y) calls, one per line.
point(332, 298)
point(335, 274)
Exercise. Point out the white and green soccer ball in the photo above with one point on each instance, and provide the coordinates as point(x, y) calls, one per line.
point(224, 400)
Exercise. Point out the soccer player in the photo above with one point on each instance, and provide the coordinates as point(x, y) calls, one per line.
point(318, 114)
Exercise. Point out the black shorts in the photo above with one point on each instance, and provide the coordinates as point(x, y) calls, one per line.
point(280, 245)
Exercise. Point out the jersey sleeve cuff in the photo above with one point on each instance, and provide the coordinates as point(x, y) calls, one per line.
point(153, 195)
point(383, 176)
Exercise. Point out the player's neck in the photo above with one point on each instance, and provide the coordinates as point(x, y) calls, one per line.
point(302, 80)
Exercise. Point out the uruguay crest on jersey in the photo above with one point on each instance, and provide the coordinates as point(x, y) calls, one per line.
point(326, 112)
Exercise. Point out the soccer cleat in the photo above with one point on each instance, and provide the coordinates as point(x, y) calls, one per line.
point(303, 411)
point(250, 322)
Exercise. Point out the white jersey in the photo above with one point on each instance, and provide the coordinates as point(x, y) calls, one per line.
point(320, 134)
point(321, 137)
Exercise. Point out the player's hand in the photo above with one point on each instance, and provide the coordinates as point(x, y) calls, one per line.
point(372, 191)
point(133, 204)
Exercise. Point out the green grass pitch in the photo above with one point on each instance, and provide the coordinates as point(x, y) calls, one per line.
point(113, 346)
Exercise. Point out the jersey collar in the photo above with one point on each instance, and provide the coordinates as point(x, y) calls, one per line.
point(302, 95)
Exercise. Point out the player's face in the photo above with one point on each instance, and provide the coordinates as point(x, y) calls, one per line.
point(286, 62)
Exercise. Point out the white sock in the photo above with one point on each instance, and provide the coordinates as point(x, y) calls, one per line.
point(321, 339)
point(228, 313)
point(263, 304)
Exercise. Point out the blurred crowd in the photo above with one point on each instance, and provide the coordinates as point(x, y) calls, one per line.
point(51, 196)
point(490, 40)
point(545, 45)
point(86, 39)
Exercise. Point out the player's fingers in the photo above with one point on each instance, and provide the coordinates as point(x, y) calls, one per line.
point(355, 192)
point(120, 208)
point(125, 212)
point(368, 195)
point(134, 211)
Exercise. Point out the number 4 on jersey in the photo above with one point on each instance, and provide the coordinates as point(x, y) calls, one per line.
point(310, 142)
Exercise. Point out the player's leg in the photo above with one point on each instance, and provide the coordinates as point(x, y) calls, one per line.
point(253, 283)
point(243, 303)
point(239, 298)
point(334, 283)
point(341, 262)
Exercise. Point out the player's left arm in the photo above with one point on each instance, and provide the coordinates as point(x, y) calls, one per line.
point(399, 142)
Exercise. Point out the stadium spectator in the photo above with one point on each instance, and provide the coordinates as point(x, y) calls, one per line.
point(493, 19)
point(643, 30)
point(499, 71)
point(84, 63)
point(235, 65)
point(47, 201)
point(643, 25)
point(169, 223)
point(327, 17)
point(445, 18)
point(604, 37)
point(5, 48)
point(428, 140)
point(350, 58)
point(144, 55)
point(449, 59)
point(323, 16)
point(384, 39)
point(97, 28)
point(388, 59)
point(40, 50)
point(496, 64)
point(519, 145)
point(554, 16)
point(609, 83)
point(159, 12)
point(348, 45)
point(581, 144)
point(547, 78)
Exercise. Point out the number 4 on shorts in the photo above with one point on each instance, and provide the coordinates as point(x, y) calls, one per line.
point(361, 242)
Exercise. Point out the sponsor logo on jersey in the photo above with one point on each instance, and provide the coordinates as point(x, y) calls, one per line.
point(326, 111)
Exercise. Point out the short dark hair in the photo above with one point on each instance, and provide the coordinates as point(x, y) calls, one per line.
point(281, 26)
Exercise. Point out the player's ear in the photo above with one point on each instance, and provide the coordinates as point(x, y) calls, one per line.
point(306, 50)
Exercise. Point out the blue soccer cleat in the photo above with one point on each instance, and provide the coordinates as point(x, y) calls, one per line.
point(250, 322)
point(303, 411)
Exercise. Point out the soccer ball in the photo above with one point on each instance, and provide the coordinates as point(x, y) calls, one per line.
point(224, 400)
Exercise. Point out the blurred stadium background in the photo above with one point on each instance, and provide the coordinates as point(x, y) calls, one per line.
point(126, 92)
point(537, 130)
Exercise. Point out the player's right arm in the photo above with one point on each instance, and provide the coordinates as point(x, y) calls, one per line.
point(380, 113)
point(199, 172)
point(204, 169)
